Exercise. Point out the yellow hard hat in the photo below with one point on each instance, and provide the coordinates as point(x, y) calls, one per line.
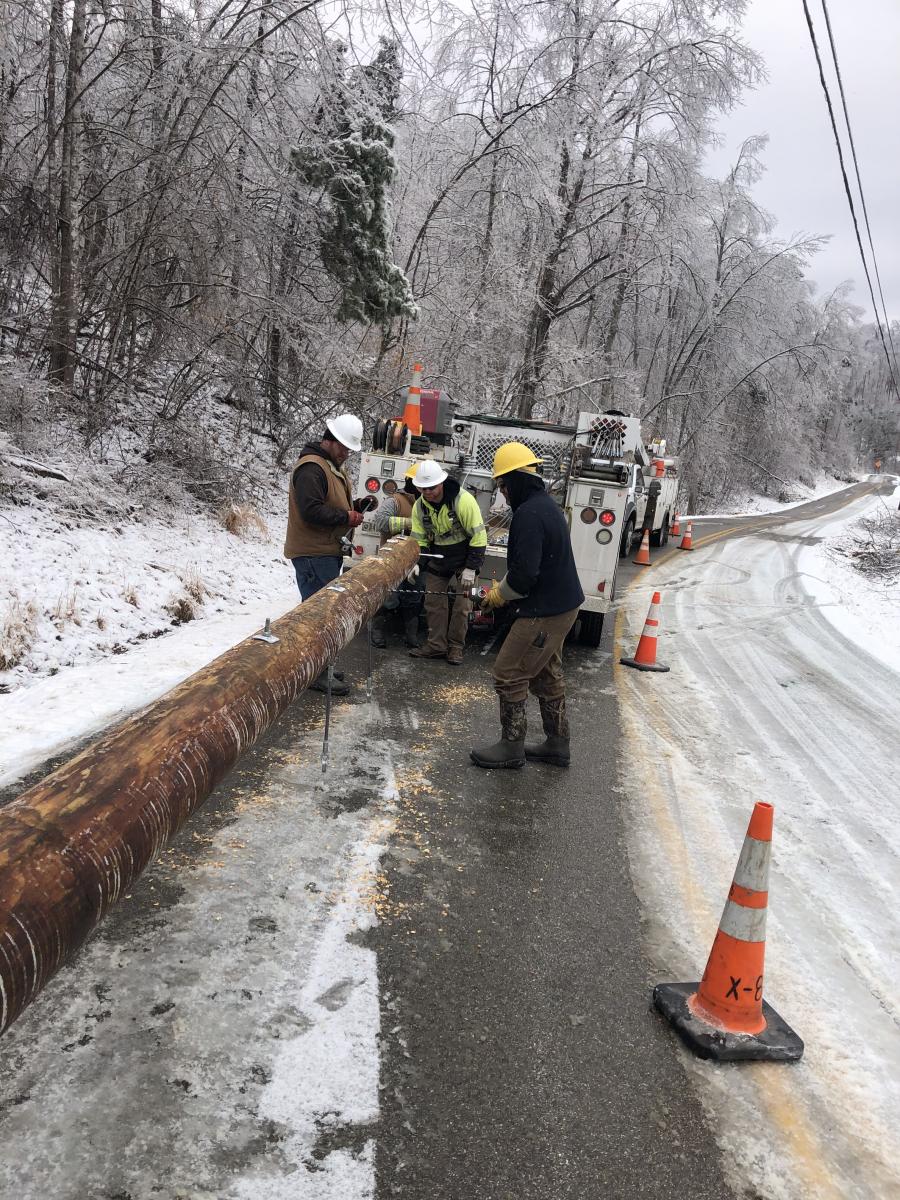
point(411, 473)
point(515, 456)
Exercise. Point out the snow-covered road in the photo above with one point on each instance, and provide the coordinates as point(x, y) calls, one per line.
point(767, 700)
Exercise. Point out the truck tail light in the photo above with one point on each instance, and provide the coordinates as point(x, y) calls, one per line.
point(372, 484)
point(588, 515)
point(604, 536)
point(389, 487)
point(601, 586)
point(607, 517)
point(359, 550)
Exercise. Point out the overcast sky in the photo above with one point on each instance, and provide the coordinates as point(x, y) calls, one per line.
point(802, 185)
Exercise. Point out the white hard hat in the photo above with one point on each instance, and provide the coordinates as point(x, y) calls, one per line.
point(347, 430)
point(429, 474)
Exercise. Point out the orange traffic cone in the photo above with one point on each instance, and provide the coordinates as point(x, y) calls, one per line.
point(687, 540)
point(642, 558)
point(724, 1016)
point(676, 528)
point(645, 655)
point(412, 413)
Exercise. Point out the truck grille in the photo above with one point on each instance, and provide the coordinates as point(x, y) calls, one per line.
point(553, 453)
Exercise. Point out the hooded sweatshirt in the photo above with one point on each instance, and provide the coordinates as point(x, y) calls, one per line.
point(540, 566)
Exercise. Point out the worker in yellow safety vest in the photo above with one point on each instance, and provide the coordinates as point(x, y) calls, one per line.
point(447, 521)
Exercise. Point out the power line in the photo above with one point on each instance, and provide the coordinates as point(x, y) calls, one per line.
point(862, 195)
point(837, 142)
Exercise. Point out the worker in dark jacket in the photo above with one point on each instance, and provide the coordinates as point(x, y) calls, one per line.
point(321, 512)
point(541, 586)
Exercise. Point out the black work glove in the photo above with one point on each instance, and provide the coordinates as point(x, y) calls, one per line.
point(364, 504)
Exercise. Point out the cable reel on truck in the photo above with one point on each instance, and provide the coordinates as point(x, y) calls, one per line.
point(389, 437)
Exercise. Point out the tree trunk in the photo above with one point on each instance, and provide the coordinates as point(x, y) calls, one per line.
point(63, 333)
point(56, 14)
point(612, 330)
point(543, 312)
point(273, 373)
point(237, 260)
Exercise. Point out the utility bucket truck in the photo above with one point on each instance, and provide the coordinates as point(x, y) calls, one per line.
point(599, 471)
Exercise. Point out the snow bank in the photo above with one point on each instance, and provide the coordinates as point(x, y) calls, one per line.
point(122, 575)
point(862, 607)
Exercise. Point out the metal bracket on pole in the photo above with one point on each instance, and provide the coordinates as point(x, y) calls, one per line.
point(266, 634)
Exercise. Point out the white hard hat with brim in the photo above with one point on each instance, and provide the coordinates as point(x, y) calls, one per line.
point(429, 475)
point(347, 430)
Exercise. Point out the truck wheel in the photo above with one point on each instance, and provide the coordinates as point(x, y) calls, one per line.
point(591, 628)
point(660, 536)
point(627, 539)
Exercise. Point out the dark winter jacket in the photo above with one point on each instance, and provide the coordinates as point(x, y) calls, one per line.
point(540, 566)
point(311, 491)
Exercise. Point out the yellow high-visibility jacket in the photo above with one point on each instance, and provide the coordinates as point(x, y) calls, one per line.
point(453, 528)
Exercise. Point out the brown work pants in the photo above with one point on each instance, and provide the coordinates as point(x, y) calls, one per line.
point(446, 630)
point(531, 658)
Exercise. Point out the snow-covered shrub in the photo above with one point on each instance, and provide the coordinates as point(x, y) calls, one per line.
point(243, 521)
point(875, 548)
point(65, 611)
point(182, 609)
point(16, 631)
point(28, 408)
point(194, 586)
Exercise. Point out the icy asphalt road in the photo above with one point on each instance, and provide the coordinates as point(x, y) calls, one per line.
point(477, 935)
point(767, 701)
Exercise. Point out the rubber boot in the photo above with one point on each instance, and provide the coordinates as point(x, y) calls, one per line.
point(555, 748)
point(510, 750)
point(379, 625)
point(338, 686)
point(411, 632)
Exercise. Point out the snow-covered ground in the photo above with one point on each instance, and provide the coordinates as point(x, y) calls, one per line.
point(767, 699)
point(97, 560)
point(54, 713)
point(123, 1078)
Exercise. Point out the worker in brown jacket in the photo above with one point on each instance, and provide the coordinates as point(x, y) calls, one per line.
point(321, 511)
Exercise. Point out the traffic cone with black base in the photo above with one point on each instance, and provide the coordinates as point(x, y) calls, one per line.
point(645, 655)
point(642, 558)
point(724, 1016)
